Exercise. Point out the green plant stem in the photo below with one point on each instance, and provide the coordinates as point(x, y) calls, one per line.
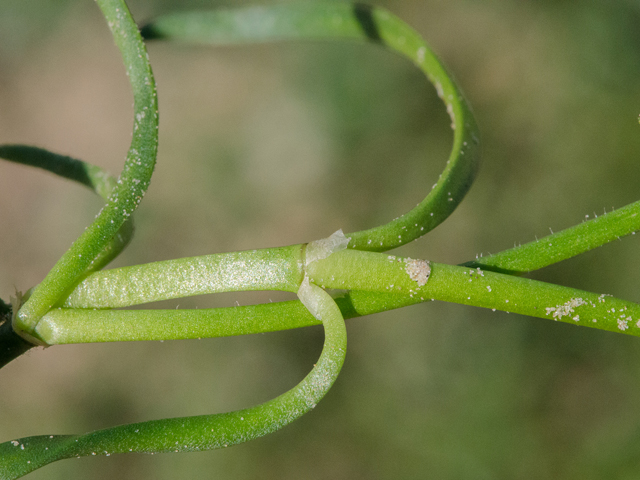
point(388, 274)
point(132, 183)
point(91, 176)
point(67, 325)
point(360, 23)
point(377, 282)
point(564, 244)
point(188, 434)
point(266, 269)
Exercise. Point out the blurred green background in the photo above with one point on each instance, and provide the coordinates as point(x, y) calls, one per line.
point(279, 144)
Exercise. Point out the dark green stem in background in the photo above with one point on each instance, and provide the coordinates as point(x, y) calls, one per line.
point(91, 176)
point(12, 345)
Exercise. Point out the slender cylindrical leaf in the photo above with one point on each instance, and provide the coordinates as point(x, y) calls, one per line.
point(359, 22)
point(188, 434)
point(266, 269)
point(132, 182)
point(564, 244)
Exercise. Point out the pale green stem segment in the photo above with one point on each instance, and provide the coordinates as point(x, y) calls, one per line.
point(266, 269)
point(132, 183)
point(355, 270)
point(361, 23)
point(97, 179)
point(69, 325)
point(204, 432)
point(377, 282)
point(564, 244)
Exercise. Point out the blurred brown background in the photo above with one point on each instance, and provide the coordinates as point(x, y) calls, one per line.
point(279, 144)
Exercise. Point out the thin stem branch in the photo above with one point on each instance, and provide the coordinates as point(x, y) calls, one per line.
point(133, 180)
point(362, 23)
point(564, 244)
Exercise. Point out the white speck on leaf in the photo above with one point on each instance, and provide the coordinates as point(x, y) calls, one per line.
point(418, 270)
point(623, 324)
point(566, 309)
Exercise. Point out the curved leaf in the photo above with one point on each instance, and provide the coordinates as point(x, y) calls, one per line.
point(132, 183)
point(189, 434)
point(361, 23)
